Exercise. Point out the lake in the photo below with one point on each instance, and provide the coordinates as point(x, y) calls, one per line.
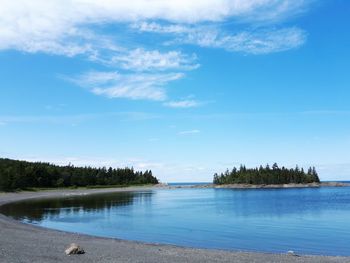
point(308, 221)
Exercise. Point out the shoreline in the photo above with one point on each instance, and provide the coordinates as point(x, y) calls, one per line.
point(282, 186)
point(20, 242)
point(259, 186)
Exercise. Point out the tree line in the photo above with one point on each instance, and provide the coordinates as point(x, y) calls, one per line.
point(23, 175)
point(267, 175)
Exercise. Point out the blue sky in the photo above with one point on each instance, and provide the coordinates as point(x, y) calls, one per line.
point(185, 88)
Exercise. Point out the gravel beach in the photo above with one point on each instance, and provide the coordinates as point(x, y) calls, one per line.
point(21, 242)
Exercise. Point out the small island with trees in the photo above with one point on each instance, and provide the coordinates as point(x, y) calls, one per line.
point(21, 175)
point(269, 177)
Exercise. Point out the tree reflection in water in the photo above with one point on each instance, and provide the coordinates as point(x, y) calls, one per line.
point(34, 211)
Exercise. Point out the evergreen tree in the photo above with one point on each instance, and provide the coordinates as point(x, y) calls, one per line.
point(21, 175)
point(267, 175)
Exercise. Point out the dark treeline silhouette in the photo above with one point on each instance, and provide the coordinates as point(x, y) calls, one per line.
point(36, 210)
point(23, 175)
point(267, 175)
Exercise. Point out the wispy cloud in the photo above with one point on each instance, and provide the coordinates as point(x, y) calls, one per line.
point(189, 132)
point(145, 75)
point(153, 27)
point(153, 60)
point(261, 41)
point(132, 86)
point(182, 104)
point(64, 27)
point(73, 28)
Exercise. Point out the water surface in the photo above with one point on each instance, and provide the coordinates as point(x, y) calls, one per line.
point(308, 221)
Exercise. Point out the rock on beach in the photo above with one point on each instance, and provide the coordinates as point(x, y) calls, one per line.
point(74, 249)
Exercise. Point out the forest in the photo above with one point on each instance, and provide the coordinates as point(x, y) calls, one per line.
point(17, 175)
point(267, 175)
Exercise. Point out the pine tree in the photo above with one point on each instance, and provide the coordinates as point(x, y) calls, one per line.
point(266, 175)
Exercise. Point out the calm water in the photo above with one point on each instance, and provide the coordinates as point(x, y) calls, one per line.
point(189, 184)
point(311, 221)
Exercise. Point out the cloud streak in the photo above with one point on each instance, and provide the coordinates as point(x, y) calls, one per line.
point(153, 60)
point(262, 41)
point(131, 86)
point(190, 132)
point(184, 104)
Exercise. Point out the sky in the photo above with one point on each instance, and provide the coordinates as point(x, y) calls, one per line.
point(185, 88)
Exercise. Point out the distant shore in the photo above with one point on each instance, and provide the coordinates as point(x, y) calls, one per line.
point(106, 188)
point(21, 242)
point(257, 186)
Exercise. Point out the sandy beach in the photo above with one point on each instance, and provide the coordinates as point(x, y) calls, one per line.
point(21, 242)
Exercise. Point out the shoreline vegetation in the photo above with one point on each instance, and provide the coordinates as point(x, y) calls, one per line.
point(38, 176)
point(267, 176)
point(22, 175)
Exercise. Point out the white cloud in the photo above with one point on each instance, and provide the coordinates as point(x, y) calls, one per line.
point(148, 72)
point(182, 104)
point(39, 26)
point(153, 27)
point(189, 132)
point(131, 86)
point(261, 41)
point(73, 27)
point(144, 60)
point(61, 26)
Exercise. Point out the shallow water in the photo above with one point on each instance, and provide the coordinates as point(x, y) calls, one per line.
point(308, 221)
